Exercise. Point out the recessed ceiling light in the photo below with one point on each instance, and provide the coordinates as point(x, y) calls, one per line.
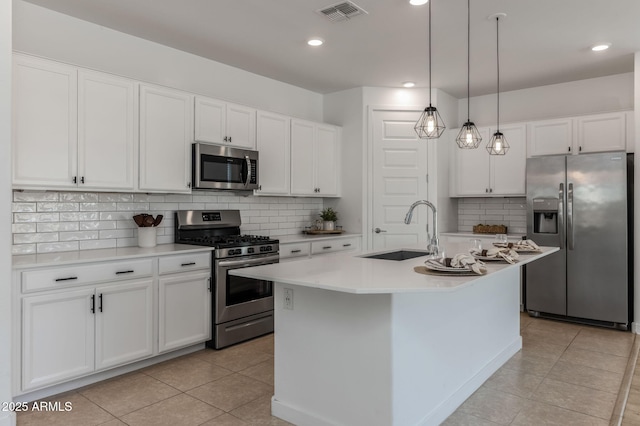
point(418, 2)
point(600, 47)
point(316, 41)
point(408, 84)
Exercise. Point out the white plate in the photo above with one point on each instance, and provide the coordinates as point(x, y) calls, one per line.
point(488, 259)
point(516, 249)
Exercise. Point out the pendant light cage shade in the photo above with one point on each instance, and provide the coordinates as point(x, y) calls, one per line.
point(469, 136)
point(498, 144)
point(430, 125)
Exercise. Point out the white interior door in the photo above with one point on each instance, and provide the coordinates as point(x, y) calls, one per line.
point(399, 178)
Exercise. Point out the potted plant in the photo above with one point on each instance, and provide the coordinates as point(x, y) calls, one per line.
point(329, 218)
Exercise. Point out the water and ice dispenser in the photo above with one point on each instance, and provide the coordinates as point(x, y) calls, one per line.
point(545, 215)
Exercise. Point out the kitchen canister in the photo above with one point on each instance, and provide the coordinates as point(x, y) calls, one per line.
point(147, 236)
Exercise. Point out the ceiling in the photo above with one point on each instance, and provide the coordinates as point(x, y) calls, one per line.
point(541, 42)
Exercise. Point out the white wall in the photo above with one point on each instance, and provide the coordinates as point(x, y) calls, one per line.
point(53, 35)
point(591, 96)
point(6, 418)
point(636, 195)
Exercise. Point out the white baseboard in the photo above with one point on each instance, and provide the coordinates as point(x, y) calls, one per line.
point(635, 327)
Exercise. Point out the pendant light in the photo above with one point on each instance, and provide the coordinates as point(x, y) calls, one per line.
point(430, 125)
point(469, 136)
point(498, 144)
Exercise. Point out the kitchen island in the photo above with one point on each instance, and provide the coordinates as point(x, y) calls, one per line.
point(363, 341)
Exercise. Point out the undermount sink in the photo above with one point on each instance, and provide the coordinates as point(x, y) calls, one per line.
point(398, 255)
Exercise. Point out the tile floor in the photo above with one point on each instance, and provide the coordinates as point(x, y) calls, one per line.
point(566, 374)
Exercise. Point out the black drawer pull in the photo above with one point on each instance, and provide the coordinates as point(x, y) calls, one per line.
point(125, 272)
point(100, 302)
point(66, 279)
point(93, 303)
point(296, 251)
point(188, 264)
point(326, 247)
point(346, 245)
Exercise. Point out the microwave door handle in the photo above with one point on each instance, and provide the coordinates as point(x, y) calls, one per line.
point(248, 160)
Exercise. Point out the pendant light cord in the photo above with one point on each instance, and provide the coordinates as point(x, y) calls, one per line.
point(430, 52)
point(498, 73)
point(468, 61)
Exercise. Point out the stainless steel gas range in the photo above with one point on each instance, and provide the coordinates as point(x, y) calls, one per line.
point(242, 307)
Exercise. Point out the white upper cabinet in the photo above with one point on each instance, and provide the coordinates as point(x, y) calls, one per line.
point(166, 118)
point(107, 120)
point(45, 114)
point(579, 135)
point(224, 123)
point(476, 173)
point(72, 129)
point(315, 159)
point(602, 132)
point(274, 143)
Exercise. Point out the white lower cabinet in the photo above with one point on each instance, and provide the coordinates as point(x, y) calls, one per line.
point(84, 318)
point(185, 310)
point(69, 334)
point(301, 250)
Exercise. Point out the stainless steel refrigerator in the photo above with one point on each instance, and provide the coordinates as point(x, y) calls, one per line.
point(584, 205)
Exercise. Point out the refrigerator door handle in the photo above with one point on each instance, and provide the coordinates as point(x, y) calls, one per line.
point(561, 215)
point(570, 236)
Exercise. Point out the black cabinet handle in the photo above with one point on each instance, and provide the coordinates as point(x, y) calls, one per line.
point(93, 304)
point(66, 279)
point(125, 272)
point(100, 302)
point(209, 279)
point(82, 179)
point(296, 251)
point(188, 264)
point(326, 247)
point(346, 245)
point(75, 179)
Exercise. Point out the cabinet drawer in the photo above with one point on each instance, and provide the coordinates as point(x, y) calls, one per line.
point(184, 263)
point(294, 250)
point(52, 278)
point(339, 244)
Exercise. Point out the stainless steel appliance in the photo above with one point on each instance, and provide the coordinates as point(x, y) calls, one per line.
point(223, 167)
point(583, 204)
point(242, 307)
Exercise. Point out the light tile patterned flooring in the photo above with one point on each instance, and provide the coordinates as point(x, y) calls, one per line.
point(566, 374)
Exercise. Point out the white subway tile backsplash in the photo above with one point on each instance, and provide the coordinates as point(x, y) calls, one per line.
point(510, 212)
point(63, 221)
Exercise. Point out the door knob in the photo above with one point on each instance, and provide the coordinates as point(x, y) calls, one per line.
point(378, 230)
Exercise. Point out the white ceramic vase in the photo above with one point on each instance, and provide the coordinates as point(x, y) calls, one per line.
point(328, 225)
point(147, 236)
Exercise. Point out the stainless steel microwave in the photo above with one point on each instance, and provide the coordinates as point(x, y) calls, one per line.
point(223, 167)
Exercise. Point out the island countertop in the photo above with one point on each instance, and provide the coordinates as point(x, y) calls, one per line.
point(352, 273)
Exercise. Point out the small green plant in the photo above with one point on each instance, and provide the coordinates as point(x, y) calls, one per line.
point(329, 215)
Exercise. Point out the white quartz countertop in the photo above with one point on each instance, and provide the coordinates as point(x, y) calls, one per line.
point(25, 261)
point(515, 236)
point(351, 273)
point(303, 238)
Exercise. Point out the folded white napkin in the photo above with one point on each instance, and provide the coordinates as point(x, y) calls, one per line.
point(505, 253)
point(522, 245)
point(463, 260)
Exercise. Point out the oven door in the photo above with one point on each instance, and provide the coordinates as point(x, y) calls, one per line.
point(238, 297)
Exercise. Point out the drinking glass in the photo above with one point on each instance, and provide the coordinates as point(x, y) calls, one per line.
point(501, 238)
point(476, 245)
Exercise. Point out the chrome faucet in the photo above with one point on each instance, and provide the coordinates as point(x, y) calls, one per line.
point(434, 246)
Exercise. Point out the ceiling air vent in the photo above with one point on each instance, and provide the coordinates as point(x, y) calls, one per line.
point(341, 11)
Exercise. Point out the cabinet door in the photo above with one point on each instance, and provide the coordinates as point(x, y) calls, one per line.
point(185, 310)
point(472, 167)
point(302, 158)
point(274, 143)
point(602, 132)
point(550, 137)
point(327, 154)
point(508, 171)
point(165, 139)
point(57, 337)
point(241, 126)
point(106, 131)
point(124, 322)
point(210, 120)
point(44, 127)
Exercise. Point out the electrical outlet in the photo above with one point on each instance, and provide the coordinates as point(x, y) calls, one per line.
point(288, 298)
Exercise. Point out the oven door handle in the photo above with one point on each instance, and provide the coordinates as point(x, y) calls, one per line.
point(250, 262)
